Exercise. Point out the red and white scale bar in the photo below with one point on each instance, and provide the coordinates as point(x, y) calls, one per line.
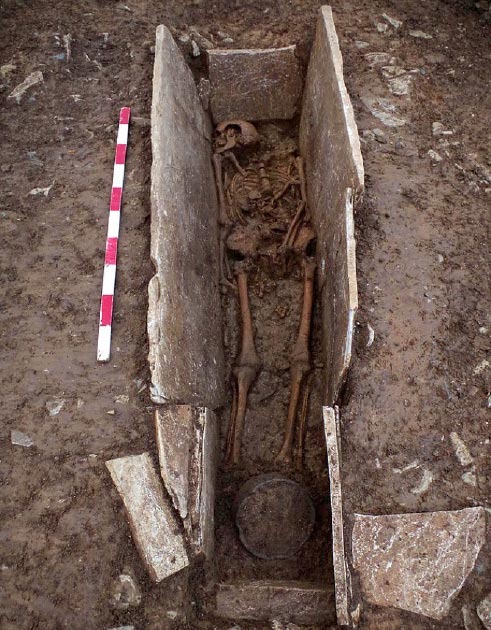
point(109, 277)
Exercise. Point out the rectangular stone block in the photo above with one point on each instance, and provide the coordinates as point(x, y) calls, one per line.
point(187, 442)
point(184, 318)
point(330, 146)
point(333, 444)
point(152, 522)
point(254, 84)
point(297, 602)
point(418, 562)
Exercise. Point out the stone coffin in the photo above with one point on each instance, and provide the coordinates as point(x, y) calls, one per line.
point(186, 354)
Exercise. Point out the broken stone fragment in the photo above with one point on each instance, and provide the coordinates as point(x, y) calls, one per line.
point(55, 405)
point(420, 34)
point(400, 85)
point(484, 611)
point(254, 84)
point(392, 21)
point(20, 439)
point(184, 318)
point(33, 79)
point(152, 522)
point(378, 58)
point(418, 562)
point(298, 602)
point(384, 110)
point(434, 156)
point(187, 442)
point(125, 592)
point(461, 451)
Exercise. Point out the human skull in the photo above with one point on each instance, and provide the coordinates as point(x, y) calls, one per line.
point(235, 134)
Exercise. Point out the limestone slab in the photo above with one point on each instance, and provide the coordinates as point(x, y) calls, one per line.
point(418, 562)
point(298, 602)
point(331, 429)
point(254, 84)
point(184, 318)
point(152, 522)
point(330, 147)
point(187, 442)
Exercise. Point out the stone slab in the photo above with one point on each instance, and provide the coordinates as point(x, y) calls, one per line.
point(248, 84)
point(187, 442)
point(184, 318)
point(152, 522)
point(484, 611)
point(330, 147)
point(297, 602)
point(333, 445)
point(418, 562)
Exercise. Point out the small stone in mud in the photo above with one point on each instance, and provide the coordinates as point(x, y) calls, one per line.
point(434, 156)
point(470, 478)
point(55, 406)
point(195, 51)
point(392, 21)
point(380, 136)
point(420, 35)
point(125, 592)
point(171, 614)
point(461, 450)
point(20, 439)
point(33, 79)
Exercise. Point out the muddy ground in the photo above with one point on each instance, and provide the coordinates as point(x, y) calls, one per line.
point(423, 249)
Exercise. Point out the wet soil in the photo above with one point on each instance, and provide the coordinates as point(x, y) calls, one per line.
point(423, 271)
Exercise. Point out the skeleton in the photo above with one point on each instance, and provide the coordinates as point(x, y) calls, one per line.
point(245, 371)
point(232, 134)
point(300, 364)
point(265, 190)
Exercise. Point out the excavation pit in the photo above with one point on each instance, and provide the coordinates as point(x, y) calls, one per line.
point(251, 308)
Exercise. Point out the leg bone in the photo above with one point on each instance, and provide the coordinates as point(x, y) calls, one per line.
point(245, 372)
point(300, 361)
